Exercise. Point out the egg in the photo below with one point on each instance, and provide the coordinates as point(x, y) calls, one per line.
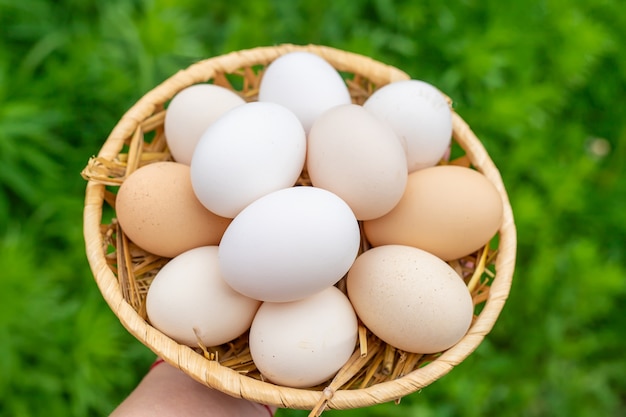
point(409, 298)
point(305, 83)
point(159, 212)
point(450, 211)
point(289, 244)
point(356, 156)
point(190, 112)
point(421, 117)
point(189, 301)
point(250, 151)
point(304, 343)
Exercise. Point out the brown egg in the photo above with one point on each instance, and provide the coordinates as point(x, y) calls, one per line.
point(449, 211)
point(158, 210)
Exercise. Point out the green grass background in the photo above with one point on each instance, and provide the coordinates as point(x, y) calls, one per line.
point(542, 83)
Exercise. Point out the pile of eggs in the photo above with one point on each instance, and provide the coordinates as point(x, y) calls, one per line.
point(252, 250)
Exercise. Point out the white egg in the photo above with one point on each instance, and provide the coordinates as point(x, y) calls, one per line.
point(304, 343)
point(250, 151)
point(305, 83)
point(188, 300)
point(289, 244)
point(421, 117)
point(191, 112)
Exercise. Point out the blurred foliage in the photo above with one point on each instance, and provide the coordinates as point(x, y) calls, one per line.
point(540, 82)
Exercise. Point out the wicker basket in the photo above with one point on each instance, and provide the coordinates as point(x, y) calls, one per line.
point(376, 372)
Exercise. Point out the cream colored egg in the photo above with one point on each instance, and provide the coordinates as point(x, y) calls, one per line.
point(409, 298)
point(304, 343)
point(356, 156)
point(158, 210)
point(447, 210)
point(191, 112)
point(189, 301)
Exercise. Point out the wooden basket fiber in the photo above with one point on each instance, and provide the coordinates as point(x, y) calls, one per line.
point(376, 372)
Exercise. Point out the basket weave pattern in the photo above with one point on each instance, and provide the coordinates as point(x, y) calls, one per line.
point(376, 372)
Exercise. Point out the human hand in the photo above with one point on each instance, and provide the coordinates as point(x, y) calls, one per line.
point(167, 392)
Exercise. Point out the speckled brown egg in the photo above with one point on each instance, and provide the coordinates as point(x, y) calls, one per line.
point(409, 298)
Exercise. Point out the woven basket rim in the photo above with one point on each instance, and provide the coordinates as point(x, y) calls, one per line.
point(227, 380)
